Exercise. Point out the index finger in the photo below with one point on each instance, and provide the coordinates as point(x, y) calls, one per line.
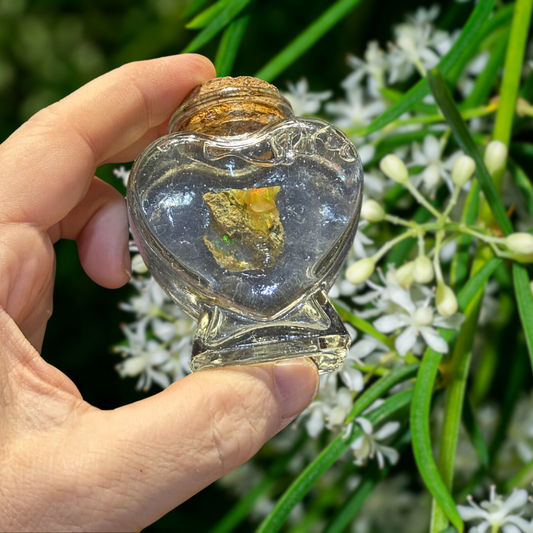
point(49, 162)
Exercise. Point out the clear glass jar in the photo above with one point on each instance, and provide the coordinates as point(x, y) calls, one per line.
point(244, 214)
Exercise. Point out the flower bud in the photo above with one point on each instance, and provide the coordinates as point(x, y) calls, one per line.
point(137, 264)
point(404, 275)
point(531, 287)
point(446, 300)
point(495, 156)
point(463, 169)
point(423, 269)
point(372, 211)
point(521, 243)
point(393, 167)
point(360, 271)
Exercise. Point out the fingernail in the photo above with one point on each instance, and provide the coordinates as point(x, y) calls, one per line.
point(126, 264)
point(297, 383)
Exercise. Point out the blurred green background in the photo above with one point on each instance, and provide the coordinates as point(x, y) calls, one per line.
point(50, 48)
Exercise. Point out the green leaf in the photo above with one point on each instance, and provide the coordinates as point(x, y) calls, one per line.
point(512, 70)
point(423, 453)
point(459, 267)
point(231, 10)
point(208, 15)
point(229, 45)
point(303, 483)
point(306, 39)
point(477, 282)
point(478, 442)
point(194, 7)
point(466, 143)
point(464, 46)
point(362, 325)
point(524, 299)
point(523, 183)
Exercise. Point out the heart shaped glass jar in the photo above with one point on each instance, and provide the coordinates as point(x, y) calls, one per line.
point(244, 214)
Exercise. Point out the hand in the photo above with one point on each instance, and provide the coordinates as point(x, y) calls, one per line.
point(65, 465)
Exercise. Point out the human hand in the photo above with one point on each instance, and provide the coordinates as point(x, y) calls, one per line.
point(65, 465)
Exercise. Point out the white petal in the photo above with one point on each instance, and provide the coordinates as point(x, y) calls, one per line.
point(353, 379)
point(315, 423)
point(470, 513)
point(365, 424)
point(431, 148)
point(514, 503)
point(362, 348)
point(402, 298)
point(434, 340)
point(405, 341)
point(388, 323)
point(160, 378)
point(365, 298)
point(387, 430)
point(390, 453)
point(357, 444)
point(450, 322)
point(510, 528)
point(374, 405)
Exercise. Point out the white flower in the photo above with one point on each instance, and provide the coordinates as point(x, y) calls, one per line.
point(150, 300)
point(350, 376)
point(366, 446)
point(430, 157)
point(366, 347)
point(417, 319)
point(330, 410)
point(302, 101)
point(374, 67)
point(145, 358)
point(496, 513)
point(138, 265)
point(122, 174)
point(361, 240)
point(415, 46)
point(356, 111)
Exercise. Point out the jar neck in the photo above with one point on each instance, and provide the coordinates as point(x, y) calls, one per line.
point(230, 106)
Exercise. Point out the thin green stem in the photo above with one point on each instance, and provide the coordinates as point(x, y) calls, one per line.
point(421, 200)
point(390, 244)
point(511, 76)
point(436, 259)
point(401, 221)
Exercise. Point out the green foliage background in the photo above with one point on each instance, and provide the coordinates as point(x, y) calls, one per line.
point(49, 48)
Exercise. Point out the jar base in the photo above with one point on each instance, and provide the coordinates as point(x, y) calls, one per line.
point(314, 329)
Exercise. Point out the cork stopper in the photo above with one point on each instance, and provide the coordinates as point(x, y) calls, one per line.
point(230, 106)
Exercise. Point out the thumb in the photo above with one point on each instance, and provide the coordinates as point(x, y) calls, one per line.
point(176, 443)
